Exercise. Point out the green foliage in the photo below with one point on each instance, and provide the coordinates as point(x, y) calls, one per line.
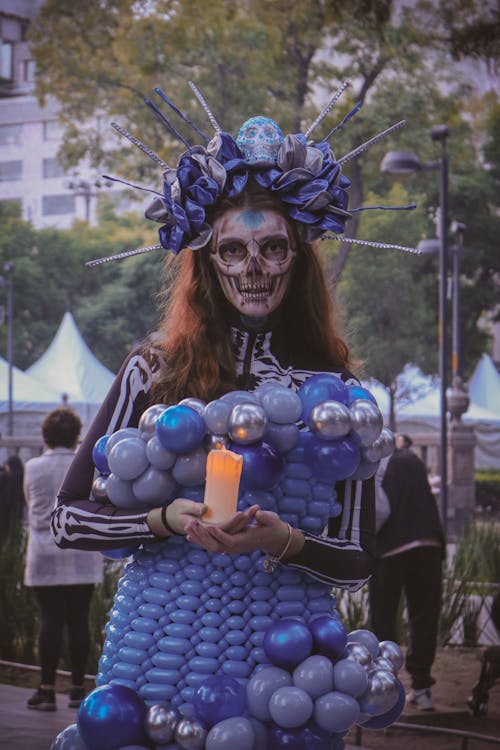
point(18, 618)
point(488, 489)
point(478, 554)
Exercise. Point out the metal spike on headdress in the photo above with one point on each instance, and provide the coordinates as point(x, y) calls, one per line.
point(125, 254)
point(326, 109)
point(145, 149)
point(205, 106)
point(409, 207)
point(183, 117)
point(413, 250)
point(376, 138)
point(167, 122)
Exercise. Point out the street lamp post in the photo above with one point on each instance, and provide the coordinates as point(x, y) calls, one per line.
point(8, 282)
point(405, 162)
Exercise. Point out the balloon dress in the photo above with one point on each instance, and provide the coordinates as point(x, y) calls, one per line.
point(181, 614)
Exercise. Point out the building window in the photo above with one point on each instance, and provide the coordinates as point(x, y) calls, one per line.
point(7, 60)
point(11, 171)
point(58, 204)
point(52, 168)
point(52, 130)
point(11, 135)
point(28, 71)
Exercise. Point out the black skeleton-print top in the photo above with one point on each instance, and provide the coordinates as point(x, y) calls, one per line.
point(342, 556)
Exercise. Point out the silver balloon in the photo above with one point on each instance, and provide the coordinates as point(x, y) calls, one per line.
point(373, 453)
point(247, 423)
point(195, 403)
point(357, 652)
point(366, 420)
point(387, 442)
point(382, 663)
point(160, 723)
point(99, 489)
point(330, 420)
point(215, 442)
point(382, 447)
point(366, 469)
point(190, 734)
point(381, 694)
point(147, 422)
point(391, 651)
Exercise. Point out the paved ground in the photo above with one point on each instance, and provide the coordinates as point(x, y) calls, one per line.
point(25, 729)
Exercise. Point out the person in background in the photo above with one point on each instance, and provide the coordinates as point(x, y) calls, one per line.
point(12, 503)
point(63, 580)
point(410, 547)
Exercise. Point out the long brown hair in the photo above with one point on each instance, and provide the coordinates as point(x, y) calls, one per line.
point(194, 331)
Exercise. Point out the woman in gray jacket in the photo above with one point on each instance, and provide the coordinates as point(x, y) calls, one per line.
point(63, 580)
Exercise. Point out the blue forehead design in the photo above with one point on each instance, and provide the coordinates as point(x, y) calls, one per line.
point(251, 219)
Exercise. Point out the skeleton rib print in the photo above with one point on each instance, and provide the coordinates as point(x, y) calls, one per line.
point(87, 524)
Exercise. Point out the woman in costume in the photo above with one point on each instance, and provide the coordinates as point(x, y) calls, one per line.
point(249, 307)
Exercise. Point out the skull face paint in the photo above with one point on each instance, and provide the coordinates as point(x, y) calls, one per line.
point(253, 258)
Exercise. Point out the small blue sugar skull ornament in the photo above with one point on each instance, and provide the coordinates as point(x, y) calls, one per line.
point(259, 139)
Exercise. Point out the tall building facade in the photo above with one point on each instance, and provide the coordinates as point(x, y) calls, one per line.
point(30, 137)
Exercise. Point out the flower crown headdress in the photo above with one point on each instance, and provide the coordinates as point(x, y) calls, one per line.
point(305, 176)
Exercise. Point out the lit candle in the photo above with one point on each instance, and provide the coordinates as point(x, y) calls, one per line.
point(222, 483)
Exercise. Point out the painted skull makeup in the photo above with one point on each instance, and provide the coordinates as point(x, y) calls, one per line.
point(253, 259)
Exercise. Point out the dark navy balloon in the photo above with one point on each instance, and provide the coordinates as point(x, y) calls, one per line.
point(180, 428)
point(262, 465)
point(287, 642)
point(331, 460)
point(329, 635)
point(110, 717)
point(318, 388)
point(219, 697)
point(99, 455)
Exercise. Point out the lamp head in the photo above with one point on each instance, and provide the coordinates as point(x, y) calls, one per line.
point(401, 163)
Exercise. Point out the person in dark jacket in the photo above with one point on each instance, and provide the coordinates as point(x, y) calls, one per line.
point(410, 547)
point(12, 502)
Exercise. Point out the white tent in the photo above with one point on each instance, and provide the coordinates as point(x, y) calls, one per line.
point(69, 366)
point(28, 394)
point(423, 414)
point(484, 385)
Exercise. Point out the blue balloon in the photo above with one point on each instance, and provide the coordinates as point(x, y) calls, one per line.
point(219, 697)
point(180, 429)
point(260, 688)
point(216, 415)
point(331, 460)
point(287, 642)
point(335, 711)
point(262, 465)
point(350, 677)
point(120, 553)
point(357, 391)
point(282, 405)
point(111, 717)
point(310, 737)
point(315, 675)
point(115, 437)
point(291, 707)
point(321, 387)
point(329, 635)
point(99, 455)
point(127, 458)
point(385, 720)
point(69, 739)
point(229, 734)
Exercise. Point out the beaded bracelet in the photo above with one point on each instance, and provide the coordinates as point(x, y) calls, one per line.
point(272, 560)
